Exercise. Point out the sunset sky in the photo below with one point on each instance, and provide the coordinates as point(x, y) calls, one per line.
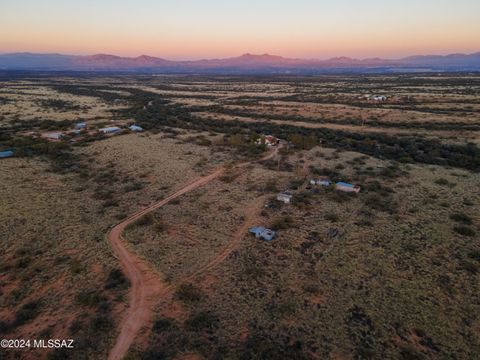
point(192, 29)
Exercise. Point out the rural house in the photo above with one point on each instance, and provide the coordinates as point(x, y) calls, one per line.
point(80, 126)
point(376, 97)
point(270, 140)
point(53, 136)
point(262, 233)
point(285, 197)
point(6, 154)
point(345, 187)
point(325, 183)
point(110, 130)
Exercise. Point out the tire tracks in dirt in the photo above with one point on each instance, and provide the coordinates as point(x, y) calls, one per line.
point(147, 286)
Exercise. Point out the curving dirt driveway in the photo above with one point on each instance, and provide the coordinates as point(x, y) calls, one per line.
point(146, 284)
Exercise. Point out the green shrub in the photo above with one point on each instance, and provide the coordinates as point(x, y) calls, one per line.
point(89, 297)
point(135, 186)
point(302, 199)
point(27, 312)
point(160, 226)
point(201, 321)
point(464, 230)
point(410, 352)
point(4, 327)
point(23, 262)
point(470, 267)
point(442, 181)
point(462, 218)
point(116, 279)
point(283, 222)
point(162, 325)
point(295, 184)
point(145, 220)
point(381, 203)
point(331, 217)
point(287, 307)
point(101, 323)
point(271, 186)
point(475, 255)
point(76, 266)
point(188, 293)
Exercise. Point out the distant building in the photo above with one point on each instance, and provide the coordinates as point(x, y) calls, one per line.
point(345, 187)
point(325, 183)
point(80, 126)
point(285, 197)
point(110, 130)
point(376, 97)
point(263, 233)
point(118, 101)
point(54, 135)
point(135, 128)
point(269, 140)
point(6, 154)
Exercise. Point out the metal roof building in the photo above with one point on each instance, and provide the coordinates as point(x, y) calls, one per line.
point(6, 154)
point(110, 130)
point(135, 128)
point(53, 136)
point(342, 186)
point(285, 197)
point(263, 233)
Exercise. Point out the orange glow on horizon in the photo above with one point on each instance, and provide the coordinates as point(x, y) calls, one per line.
point(306, 30)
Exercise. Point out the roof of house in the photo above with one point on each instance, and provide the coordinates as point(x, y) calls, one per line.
point(257, 229)
point(111, 128)
point(261, 232)
point(5, 154)
point(54, 135)
point(345, 184)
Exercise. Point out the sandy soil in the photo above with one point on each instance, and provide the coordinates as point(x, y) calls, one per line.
point(146, 285)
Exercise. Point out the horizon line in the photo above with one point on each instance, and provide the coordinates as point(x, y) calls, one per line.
point(237, 56)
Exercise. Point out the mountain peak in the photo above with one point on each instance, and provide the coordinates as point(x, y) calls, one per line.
point(102, 57)
point(145, 58)
point(245, 63)
point(342, 59)
point(264, 57)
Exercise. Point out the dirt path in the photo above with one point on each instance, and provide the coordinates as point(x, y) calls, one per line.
point(146, 284)
point(251, 216)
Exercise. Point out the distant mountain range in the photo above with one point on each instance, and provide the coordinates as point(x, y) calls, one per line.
point(245, 64)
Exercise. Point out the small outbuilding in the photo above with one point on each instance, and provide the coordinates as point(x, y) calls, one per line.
point(80, 125)
point(324, 182)
point(54, 135)
point(376, 97)
point(136, 128)
point(6, 154)
point(345, 187)
point(110, 130)
point(268, 140)
point(263, 233)
point(285, 197)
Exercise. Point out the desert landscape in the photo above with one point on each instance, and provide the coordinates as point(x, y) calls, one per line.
point(127, 204)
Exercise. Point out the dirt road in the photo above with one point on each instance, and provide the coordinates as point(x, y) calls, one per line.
point(147, 286)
